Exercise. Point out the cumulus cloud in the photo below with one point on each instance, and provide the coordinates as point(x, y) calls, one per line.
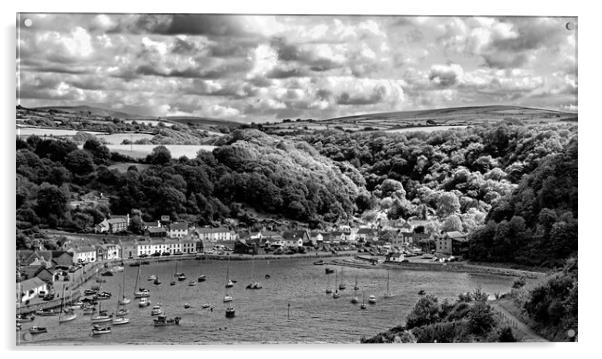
point(258, 68)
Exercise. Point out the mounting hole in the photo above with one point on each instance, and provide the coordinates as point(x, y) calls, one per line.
point(27, 22)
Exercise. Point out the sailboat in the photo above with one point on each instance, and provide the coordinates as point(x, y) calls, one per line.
point(120, 313)
point(140, 292)
point(255, 284)
point(342, 286)
point(328, 290)
point(354, 299)
point(68, 314)
point(363, 305)
point(173, 282)
point(124, 300)
point(388, 292)
point(102, 316)
point(336, 293)
point(178, 275)
point(229, 283)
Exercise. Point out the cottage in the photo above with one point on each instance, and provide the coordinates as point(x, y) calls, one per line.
point(62, 259)
point(295, 238)
point(146, 225)
point(178, 230)
point(214, 234)
point(83, 254)
point(115, 224)
point(156, 232)
point(34, 258)
point(366, 235)
point(30, 288)
point(108, 251)
point(395, 257)
point(316, 237)
point(128, 249)
point(37, 271)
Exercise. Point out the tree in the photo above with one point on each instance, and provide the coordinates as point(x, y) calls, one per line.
point(452, 223)
point(100, 152)
point(426, 311)
point(447, 204)
point(79, 162)
point(480, 318)
point(391, 187)
point(51, 202)
point(159, 156)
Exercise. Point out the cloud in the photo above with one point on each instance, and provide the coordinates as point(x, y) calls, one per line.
point(446, 75)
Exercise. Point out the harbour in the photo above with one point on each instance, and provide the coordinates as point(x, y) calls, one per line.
point(261, 315)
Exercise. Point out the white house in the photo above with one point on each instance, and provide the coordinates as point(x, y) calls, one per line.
point(395, 257)
point(83, 254)
point(214, 234)
point(178, 230)
point(30, 288)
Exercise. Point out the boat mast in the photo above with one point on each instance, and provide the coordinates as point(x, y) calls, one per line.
point(137, 277)
point(62, 302)
point(388, 294)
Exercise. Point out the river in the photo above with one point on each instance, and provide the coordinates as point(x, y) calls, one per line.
point(261, 315)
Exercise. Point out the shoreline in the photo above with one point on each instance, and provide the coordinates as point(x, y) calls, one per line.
point(457, 267)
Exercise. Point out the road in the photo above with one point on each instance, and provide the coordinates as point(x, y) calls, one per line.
point(518, 325)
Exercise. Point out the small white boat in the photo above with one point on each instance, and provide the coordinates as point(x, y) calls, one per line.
point(122, 312)
point(206, 305)
point(38, 330)
point(98, 330)
point(68, 316)
point(372, 299)
point(229, 284)
point(192, 283)
point(124, 301)
point(121, 321)
point(142, 293)
point(76, 305)
point(186, 305)
point(156, 310)
point(152, 277)
point(117, 269)
point(354, 300)
point(336, 295)
point(144, 302)
point(227, 298)
point(102, 318)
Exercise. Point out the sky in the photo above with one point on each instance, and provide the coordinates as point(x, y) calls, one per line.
point(268, 68)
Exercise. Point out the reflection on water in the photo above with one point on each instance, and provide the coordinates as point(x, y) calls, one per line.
point(261, 315)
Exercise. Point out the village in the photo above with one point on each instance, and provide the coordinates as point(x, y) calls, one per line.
point(40, 271)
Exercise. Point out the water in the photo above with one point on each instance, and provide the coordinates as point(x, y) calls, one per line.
point(261, 315)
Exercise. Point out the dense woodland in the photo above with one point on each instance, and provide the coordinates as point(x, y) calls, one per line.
point(512, 187)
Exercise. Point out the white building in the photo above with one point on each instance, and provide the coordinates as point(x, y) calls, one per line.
point(83, 254)
point(178, 230)
point(214, 234)
point(30, 288)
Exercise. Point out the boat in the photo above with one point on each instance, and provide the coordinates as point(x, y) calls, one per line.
point(372, 299)
point(328, 270)
point(355, 287)
point(202, 278)
point(363, 305)
point(37, 330)
point(152, 277)
point(156, 310)
point(342, 285)
point(89, 310)
point(421, 292)
point(90, 291)
point(144, 302)
point(319, 263)
point(99, 330)
point(121, 321)
point(388, 292)
point(102, 317)
point(46, 312)
point(192, 283)
point(186, 305)
point(267, 276)
point(141, 292)
point(135, 264)
point(163, 321)
point(227, 298)
point(103, 296)
point(122, 312)
point(107, 273)
point(68, 314)
point(117, 269)
point(76, 305)
point(124, 300)
point(145, 262)
point(157, 281)
point(23, 318)
point(173, 282)
point(336, 294)
point(230, 312)
point(229, 282)
point(205, 306)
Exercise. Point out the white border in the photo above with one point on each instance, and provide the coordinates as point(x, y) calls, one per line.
point(590, 129)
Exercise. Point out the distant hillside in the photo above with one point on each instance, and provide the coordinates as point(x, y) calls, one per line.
point(193, 120)
point(425, 119)
point(456, 113)
point(92, 111)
